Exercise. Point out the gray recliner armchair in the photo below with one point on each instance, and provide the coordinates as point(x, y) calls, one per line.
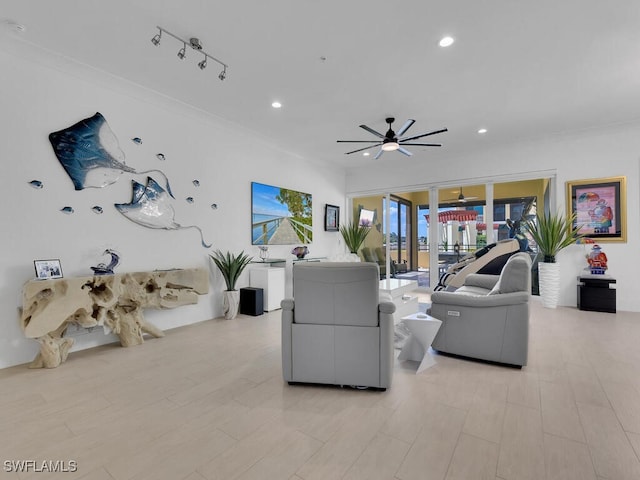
point(334, 329)
point(488, 317)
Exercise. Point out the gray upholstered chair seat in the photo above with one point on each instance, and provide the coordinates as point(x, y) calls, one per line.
point(335, 330)
point(488, 317)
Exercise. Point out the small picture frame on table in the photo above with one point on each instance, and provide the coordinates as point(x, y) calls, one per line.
point(47, 269)
point(331, 218)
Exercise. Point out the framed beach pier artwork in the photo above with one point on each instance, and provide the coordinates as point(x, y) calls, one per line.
point(280, 216)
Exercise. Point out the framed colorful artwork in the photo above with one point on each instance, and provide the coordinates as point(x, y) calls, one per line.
point(600, 206)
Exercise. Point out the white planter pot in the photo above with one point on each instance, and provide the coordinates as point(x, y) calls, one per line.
point(231, 301)
point(549, 282)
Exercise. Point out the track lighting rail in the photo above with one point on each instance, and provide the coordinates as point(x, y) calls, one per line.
point(195, 44)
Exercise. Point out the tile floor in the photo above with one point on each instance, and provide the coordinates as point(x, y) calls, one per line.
point(208, 402)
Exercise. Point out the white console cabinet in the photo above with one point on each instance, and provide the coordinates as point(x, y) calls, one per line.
point(271, 280)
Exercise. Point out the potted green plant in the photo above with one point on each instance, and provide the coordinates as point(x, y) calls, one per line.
point(231, 266)
point(354, 235)
point(551, 233)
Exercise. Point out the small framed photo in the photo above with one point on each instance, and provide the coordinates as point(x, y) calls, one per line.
point(47, 269)
point(331, 218)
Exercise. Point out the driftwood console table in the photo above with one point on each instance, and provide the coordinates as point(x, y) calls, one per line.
point(114, 302)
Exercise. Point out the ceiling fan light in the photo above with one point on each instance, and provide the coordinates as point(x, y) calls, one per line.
point(390, 146)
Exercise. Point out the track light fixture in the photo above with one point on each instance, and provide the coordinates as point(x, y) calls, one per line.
point(156, 40)
point(183, 52)
point(196, 45)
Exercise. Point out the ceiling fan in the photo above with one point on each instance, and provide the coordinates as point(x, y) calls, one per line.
point(393, 141)
point(461, 198)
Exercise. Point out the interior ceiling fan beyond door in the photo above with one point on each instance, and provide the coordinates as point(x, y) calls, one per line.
point(391, 140)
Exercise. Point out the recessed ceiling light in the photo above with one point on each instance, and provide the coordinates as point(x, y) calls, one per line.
point(366, 154)
point(276, 105)
point(482, 130)
point(446, 41)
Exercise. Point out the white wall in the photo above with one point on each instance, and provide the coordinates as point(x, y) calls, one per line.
point(39, 95)
point(596, 154)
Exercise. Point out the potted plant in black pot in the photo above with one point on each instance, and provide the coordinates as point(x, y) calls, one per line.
point(231, 266)
point(552, 233)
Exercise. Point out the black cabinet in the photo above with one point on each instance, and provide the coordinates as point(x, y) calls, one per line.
point(597, 293)
point(251, 301)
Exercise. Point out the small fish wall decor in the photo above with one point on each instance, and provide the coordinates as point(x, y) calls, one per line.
point(97, 209)
point(196, 183)
point(214, 206)
point(67, 210)
point(36, 184)
point(189, 199)
point(160, 156)
point(137, 140)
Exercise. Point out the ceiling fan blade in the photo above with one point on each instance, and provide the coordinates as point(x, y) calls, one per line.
point(379, 154)
point(423, 144)
point(405, 151)
point(405, 127)
point(435, 132)
point(361, 149)
point(358, 141)
point(371, 130)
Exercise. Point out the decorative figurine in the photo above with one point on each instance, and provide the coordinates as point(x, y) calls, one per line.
point(597, 260)
point(264, 252)
point(103, 269)
point(300, 252)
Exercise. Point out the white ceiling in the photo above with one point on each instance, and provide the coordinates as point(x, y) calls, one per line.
point(522, 69)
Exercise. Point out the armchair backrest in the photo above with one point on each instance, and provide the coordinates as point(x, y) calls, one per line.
point(336, 293)
point(515, 275)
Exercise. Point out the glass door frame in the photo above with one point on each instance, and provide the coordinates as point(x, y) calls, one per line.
point(409, 215)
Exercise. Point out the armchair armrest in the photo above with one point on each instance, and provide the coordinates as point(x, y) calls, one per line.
point(287, 320)
point(287, 304)
point(479, 301)
point(481, 280)
point(386, 307)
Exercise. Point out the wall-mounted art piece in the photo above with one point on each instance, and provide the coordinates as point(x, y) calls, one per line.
point(280, 216)
point(36, 184)
point(68, 210)
point(151, 207)
point(91, 155)
point(331, 218)
point(97, 209)
point(46, 269)
point(600, 206)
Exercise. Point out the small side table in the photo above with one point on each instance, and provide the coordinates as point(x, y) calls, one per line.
point(423, 330)
point(595, 293)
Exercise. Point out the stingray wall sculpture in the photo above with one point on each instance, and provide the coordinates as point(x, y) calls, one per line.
point(91, 155)
point(151, 207)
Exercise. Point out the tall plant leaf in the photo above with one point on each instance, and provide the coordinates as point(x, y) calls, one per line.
point(553, 233)
point(231, 266)
point(354, 235)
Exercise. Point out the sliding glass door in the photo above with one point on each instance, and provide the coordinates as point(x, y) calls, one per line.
point(400, 231)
